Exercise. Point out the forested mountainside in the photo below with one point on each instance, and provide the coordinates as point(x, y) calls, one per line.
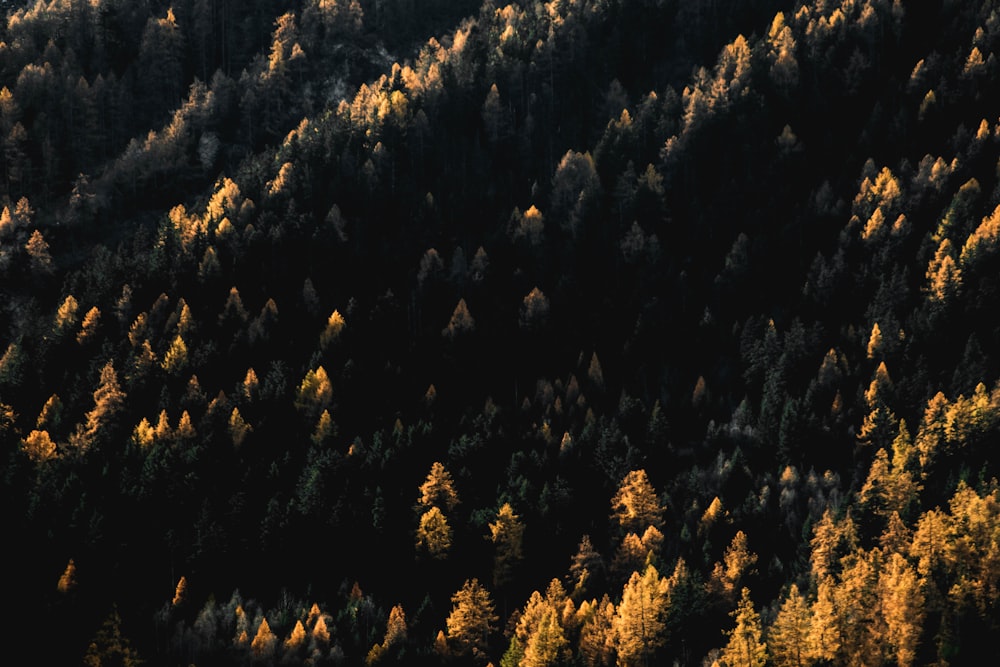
point(589, 332)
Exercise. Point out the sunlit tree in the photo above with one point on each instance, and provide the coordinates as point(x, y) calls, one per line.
point(38, 252)
point(108, 401)
point(66, 315)
point(315, 393)
point(737, 562)
point(534, 310)
point(296, 638)
point(67, 582)
point(746, 647)
point(903, 606)
point(239, 429)
point(434, 535)
point(586, 567)
point(639, 624)
point(635, 505)
point(506, 533)
point(438, 489)
point(39, 447)
point(472, 619)
point(334, 328)
point(461, 322)
point(264, 642)
point(597, 632)
point(788, 636)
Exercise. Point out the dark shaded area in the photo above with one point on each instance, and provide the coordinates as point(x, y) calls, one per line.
point(264, 264)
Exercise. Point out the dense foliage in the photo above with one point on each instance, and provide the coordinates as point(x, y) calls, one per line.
point(589, 332)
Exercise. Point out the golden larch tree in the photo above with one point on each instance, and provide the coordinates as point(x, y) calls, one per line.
point(39, 447)
point(472, 619)
point(506, 533)
point(597, 632)
point(334, 327)
point(66, 315)
point(546, 646)
point(434, 534)
point(67, 582)
point(639, 625)
point(180, 592)
point(461, 322)
point(296, 638)
point(110, 646)
point(438, 490)
point(902, 601)
point(635, 505)
point(264, 641)
point(737, 562)
point(824, 634)
point(88, 329)
point(239, 429)
point(108, 401)
point(788, 636)
point(746, 647)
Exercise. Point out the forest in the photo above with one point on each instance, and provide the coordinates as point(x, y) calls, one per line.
point(580, 333)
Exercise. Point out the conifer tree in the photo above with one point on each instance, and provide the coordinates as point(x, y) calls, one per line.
point(788, 636)
point(263, 645)
point(67, 582)
point(746, 647)
point(434, 535)
point(438, 489)
point(903, 605)
point(635, 505)
point(506, 533)
point(472, 619)
point(110, 647)
point(640, 622)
